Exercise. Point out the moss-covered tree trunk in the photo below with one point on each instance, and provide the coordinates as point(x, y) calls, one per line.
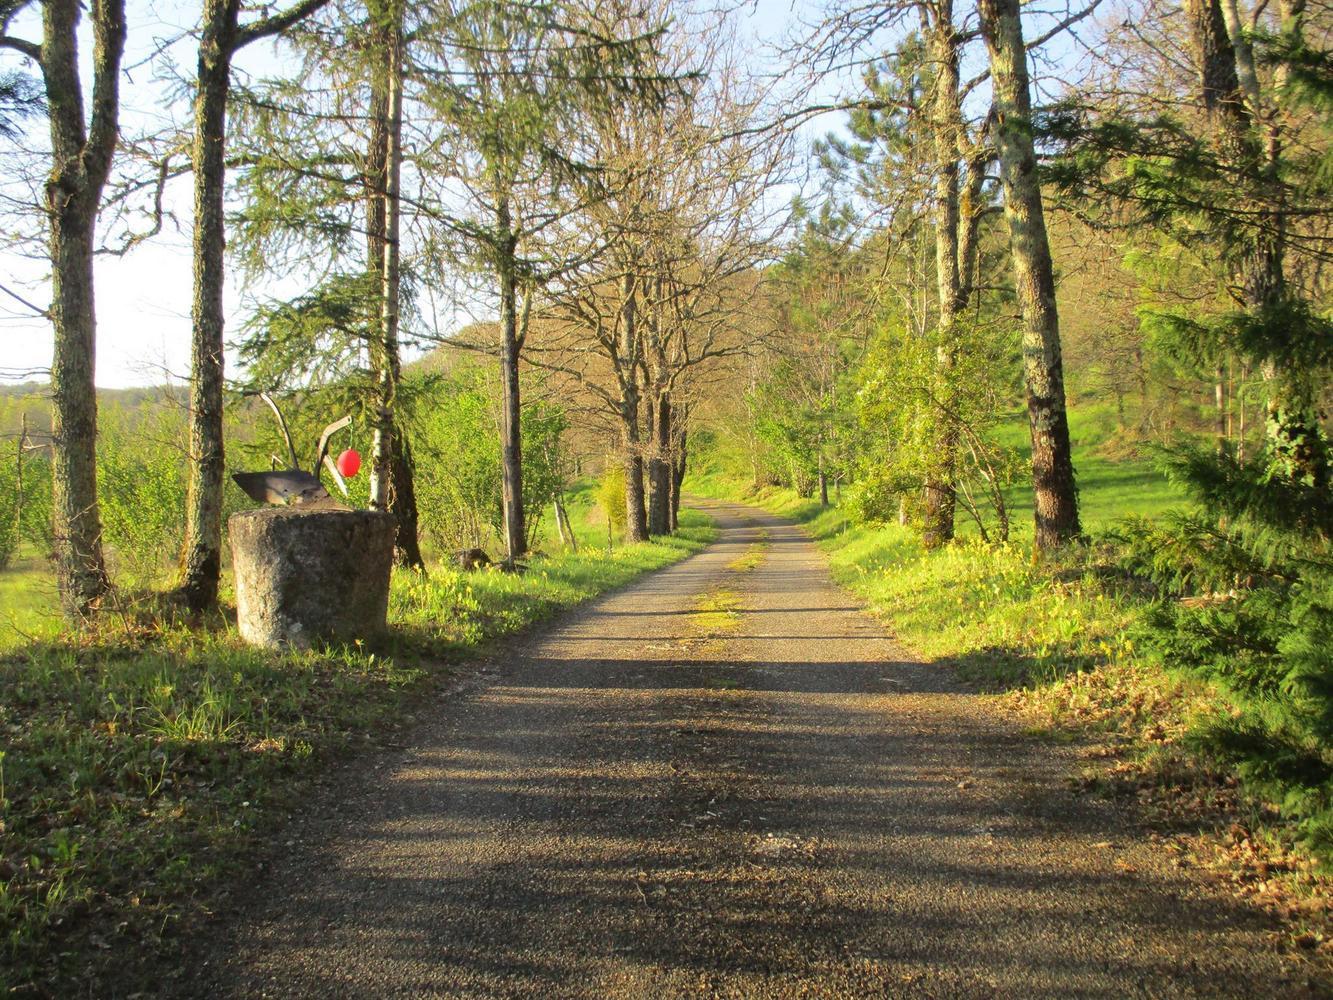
point(221, 38)
point(1055, 493)
point(81, 153)
point(511, 428)
point(659, 468)
point(203, 509)
point(636, 512)
point(627, 358)
point(679, 454)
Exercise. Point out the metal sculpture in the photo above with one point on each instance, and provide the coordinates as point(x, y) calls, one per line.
point(294, 485)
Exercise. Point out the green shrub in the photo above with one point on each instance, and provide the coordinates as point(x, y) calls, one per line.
point(456, 440)
point(9, 523)
point(611, 496)
point(141, 487)
point(457, 449)
point(1246, 583)
point(35, 521)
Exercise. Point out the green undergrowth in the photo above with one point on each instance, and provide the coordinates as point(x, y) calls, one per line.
point(145, 763)
point(29, 609)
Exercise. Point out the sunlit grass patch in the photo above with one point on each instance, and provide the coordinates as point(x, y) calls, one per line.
point(29, 607)
point(717, 611)
point(753, 557)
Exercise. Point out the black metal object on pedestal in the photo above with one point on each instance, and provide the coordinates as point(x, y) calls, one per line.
point(293, 485)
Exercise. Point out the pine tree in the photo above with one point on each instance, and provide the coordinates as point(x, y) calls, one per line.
point(1246, 574)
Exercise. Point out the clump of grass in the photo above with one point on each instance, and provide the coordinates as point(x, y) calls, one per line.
point(717, 611)
point(753, 556)
point(142, 763)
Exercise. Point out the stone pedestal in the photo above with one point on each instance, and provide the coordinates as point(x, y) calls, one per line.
point(311, 575)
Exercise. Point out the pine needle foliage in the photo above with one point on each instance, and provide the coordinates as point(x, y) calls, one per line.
point(1246, 583)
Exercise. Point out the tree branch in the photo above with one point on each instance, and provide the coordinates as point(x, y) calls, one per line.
point(30, 49)
point(108, 48)
point(38, 310)
point(276, 24)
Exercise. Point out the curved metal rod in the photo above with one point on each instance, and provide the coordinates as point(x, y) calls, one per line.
point(282, 426)
point(337, 476)
point(329, 431)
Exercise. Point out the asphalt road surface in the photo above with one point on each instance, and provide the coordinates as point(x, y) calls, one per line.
point(729, 781)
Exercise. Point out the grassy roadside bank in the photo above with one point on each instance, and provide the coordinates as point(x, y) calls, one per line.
point(1050, 644)
point(143, 766)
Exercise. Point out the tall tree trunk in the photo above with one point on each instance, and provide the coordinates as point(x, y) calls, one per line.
point(636, 513)
point(80, 163)
point(203, 509)
point(636, 510)
point(659, 469)
point(940, 501)
point(628, 353)
point(403, 504)
point(1055, 492)
point(679, 455)
point(402, 486)
point(511, 432)
point(221, 39)
point(385, 358)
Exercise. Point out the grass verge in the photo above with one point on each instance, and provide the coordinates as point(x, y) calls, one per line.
point(142, 766)
point(1050, 642)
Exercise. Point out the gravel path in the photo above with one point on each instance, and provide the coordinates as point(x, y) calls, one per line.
point(766, 800)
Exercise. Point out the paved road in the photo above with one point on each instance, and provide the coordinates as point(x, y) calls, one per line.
point(769, 800)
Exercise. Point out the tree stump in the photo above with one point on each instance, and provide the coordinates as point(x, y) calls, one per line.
point(307, 575)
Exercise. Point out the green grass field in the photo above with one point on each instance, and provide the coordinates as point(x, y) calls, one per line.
point(29, 607)
point(1110, 488)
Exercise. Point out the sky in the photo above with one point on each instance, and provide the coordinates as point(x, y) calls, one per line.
point(143, 298)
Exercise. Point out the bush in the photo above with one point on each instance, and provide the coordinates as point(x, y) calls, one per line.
point(457, 449)
point(1247, 585)
point(9, 524)
point(456, 441)
point(35, 526)
point(611, 496)
point(141, 487)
